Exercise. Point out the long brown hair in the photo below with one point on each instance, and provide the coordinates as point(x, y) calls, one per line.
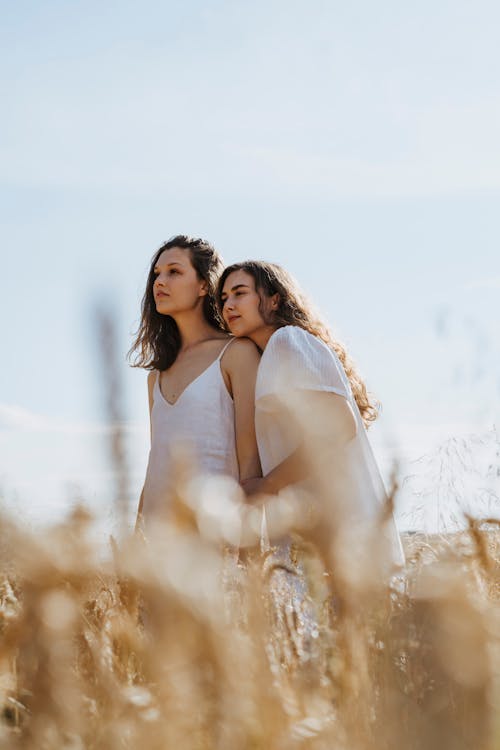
point(157, 340)
point(295, 309)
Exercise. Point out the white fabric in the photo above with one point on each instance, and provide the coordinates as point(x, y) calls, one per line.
point(200, 422)
point(295, 360)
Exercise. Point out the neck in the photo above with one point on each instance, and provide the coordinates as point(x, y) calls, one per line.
point(193, 328)
point(262, 336)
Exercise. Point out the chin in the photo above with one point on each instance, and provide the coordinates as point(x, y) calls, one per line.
point(163, 309)
point(240, 333)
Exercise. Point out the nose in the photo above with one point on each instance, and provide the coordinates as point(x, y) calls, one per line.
point(159, 280)
point(228, 304)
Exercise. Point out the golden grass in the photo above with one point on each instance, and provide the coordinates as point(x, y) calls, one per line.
point(155, 648)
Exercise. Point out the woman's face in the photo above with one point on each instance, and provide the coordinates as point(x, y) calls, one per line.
point(240, 305)
point(176, 288)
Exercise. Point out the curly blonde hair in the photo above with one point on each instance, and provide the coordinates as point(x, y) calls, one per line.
point(295, 309)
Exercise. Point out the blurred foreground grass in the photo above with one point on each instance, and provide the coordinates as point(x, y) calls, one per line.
point(156, 648)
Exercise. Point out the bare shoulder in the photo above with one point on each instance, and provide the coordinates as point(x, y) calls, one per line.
point(151, 381)
point(241, 354)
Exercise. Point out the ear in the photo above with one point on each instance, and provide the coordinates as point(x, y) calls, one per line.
point(203, 289)
point(275, 300)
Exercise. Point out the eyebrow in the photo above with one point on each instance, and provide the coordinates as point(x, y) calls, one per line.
point(234, 288)
point(172, 263)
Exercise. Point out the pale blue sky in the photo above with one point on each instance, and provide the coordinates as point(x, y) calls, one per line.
point(356, 144)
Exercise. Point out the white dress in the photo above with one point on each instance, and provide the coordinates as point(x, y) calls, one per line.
point(201, 422)
point(295, 360)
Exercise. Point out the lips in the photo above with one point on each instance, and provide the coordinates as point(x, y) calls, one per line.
point(160, 295)
point(232, 318)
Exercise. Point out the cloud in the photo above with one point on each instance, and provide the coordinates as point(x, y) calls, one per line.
point(15, 418)
point(491, 282)
point(280, 124)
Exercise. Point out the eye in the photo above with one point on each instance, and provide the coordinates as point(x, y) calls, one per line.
point(173, 271)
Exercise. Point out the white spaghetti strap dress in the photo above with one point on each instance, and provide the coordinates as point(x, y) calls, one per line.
point(202, 422)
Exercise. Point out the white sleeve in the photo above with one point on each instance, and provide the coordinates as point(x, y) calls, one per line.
point(298, 360)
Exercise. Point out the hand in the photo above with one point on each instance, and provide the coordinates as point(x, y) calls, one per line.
point(254, 486)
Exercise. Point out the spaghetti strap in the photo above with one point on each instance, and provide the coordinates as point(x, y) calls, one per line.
point(233, 338)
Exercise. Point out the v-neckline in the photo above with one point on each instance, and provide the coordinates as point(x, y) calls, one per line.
point(181, 394)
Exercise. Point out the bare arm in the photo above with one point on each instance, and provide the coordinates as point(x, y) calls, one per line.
point(326, 422)
point(239, 365)
point(151, 381)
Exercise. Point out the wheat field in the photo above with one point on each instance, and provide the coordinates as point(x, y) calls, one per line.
point(157, 647)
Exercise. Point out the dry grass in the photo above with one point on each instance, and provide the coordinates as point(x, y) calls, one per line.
point(156, 648)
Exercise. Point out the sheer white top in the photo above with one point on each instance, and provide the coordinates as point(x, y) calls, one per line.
point(201, 421)
point(295, 360)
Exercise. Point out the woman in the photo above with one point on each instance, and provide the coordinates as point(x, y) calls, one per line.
point(312, 408)
point(201, 381)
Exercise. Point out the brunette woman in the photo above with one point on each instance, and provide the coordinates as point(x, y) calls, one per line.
point(201, 381)
point(310, 401)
